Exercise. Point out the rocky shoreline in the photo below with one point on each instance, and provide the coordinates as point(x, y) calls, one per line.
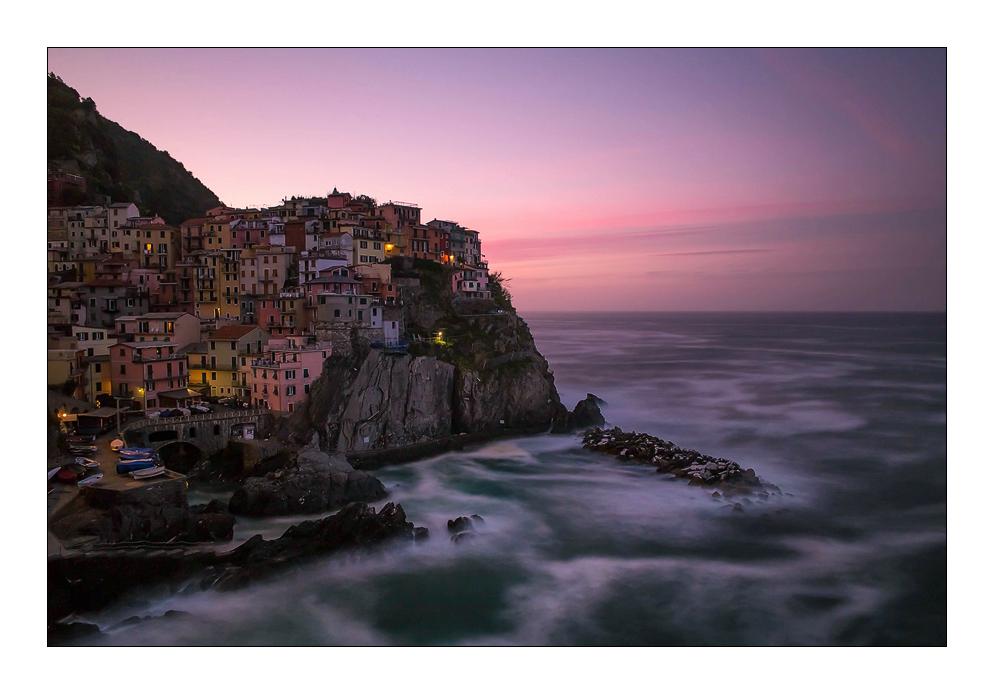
point(89, 581)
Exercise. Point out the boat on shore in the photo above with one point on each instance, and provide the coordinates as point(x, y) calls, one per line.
point(149, 472)
point(80, 439)
point(89, 481)
point(53, 472)
point(80, 450)
point(128, 466)
point(132, 452)
point(70, 472)
point(87, 462)
point(116, 445)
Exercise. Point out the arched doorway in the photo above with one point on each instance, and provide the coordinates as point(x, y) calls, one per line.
point(180, 456)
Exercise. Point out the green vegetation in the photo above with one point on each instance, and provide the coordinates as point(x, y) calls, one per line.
point(499, 290)
point(471, 332)
point(118, 163)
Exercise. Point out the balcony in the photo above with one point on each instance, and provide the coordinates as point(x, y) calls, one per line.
point(141, 358)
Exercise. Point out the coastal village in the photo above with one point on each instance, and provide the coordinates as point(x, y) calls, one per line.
point(239, 306)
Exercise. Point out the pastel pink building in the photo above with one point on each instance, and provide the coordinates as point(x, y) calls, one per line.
point(471, 282)
point(281, 379)
point(146, 371)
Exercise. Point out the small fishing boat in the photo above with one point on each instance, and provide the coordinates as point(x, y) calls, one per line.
point(131, 456)
point(91, 480)
point(128, 466)
point(53, 472)
point(132, 450)
point(70, 472)
point(149, 472)
point(78, 450)
point(87, 462)
point(81, 439)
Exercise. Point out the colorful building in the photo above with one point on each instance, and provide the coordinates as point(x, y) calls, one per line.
point(281, 379)
point(143, 370)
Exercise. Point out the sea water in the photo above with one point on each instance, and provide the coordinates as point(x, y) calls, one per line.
point(844, 412)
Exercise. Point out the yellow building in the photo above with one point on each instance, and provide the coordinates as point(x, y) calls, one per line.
point(221, 362)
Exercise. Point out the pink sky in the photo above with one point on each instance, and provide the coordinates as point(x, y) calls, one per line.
point(601, 180)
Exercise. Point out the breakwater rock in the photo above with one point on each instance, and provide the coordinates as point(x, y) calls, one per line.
point(726, 477)
point(309, 481)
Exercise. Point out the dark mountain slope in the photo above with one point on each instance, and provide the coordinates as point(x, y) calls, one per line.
point(118, 163)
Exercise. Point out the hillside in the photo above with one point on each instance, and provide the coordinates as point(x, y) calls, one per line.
point(118, 163)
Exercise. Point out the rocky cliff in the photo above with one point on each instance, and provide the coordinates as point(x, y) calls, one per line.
point(475, 372)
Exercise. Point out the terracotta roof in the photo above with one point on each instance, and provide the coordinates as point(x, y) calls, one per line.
point(232, 332)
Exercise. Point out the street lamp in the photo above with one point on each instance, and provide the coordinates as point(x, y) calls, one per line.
point(118, 399)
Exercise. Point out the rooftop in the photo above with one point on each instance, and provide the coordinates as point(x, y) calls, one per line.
point(163, 316)
point(232, 332)
point(140, 345)
point(179, 393)
point(193, 348)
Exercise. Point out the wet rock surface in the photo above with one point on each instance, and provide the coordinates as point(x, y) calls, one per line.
point(85, 520)
point(587, 413)
point(92, 581)
point(726, 477)
point(356, 527)
point(459, 524)
point(309, 481)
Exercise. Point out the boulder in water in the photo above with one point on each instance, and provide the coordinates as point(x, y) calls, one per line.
point(460, 524)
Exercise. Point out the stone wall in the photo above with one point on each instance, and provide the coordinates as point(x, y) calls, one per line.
point(210, 432)
point(344, 338)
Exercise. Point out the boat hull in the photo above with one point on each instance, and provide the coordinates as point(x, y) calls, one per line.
point(149, 472)
point(93, 479)
point(129, 466)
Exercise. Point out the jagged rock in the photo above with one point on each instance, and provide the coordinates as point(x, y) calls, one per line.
point(587, 413)
point(695, 467)
point(463, 536)
point(460, 524)
point(357, 526)
point(316, 482)
point(476, 518)
point(420, 534)
point(209, 527)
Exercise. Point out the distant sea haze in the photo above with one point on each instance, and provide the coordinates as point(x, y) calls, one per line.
point(846, 413)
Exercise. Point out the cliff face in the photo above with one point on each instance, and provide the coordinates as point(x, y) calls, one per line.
point(517, 394)
point(397, 401)
point(482, 377)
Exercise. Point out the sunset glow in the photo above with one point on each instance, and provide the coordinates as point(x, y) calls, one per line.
point(598, 179)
